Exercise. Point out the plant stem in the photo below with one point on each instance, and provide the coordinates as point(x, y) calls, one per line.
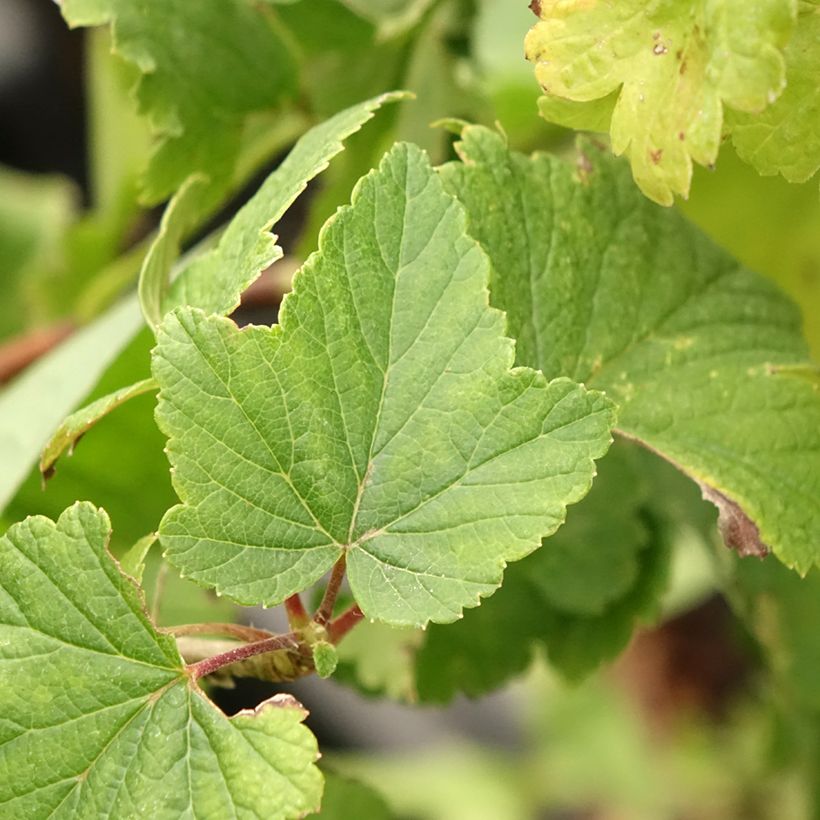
point(297, 614)
point(206, 667)
point(325, 610)
point(243, 633)
point(339, 627)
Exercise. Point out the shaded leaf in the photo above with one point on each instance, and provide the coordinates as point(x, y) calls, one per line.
point(79, 422)
point(220, 61)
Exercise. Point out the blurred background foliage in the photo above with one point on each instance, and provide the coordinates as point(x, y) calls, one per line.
point(712, 710)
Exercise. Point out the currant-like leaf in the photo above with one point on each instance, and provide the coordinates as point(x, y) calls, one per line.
point(202, 76)
point(785, 138)
point(603, 286)
point(675, 64)
point(380, 420)
point(96, 709)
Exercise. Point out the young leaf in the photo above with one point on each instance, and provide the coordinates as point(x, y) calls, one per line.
point(97, 708)
point(79, 422)
point(675, 65)
point(603, 286)
point(379, 420)
point(214, 281)
point(220, 61)
point(785, 138)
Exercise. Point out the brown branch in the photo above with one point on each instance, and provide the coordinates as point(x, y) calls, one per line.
point(18, 353)
point(325, 610)
point(241, 653)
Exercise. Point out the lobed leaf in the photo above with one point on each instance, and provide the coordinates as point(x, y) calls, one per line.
point(97, 709)
point(603, 286)
point(380, 420)
point(673, 66)
point(220, 61)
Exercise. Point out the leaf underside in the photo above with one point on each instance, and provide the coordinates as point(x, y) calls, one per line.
point(97, 716)
point(605, 287)
point(379, 420)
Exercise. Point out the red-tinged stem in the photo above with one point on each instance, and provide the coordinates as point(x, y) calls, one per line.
point(297, 614)
point(18, 353)
point(210, 665)
point(243, 633)
point(325, 610)
point(339, 627)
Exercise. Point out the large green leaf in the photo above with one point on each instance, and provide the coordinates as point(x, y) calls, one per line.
point(602, 286)
point(202, 76)
point(380, 420)
point(97, 709)
point(675, 64)
point(785, 138)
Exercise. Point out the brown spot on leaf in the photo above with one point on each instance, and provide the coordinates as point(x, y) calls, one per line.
point(535, 7)
point(681, 135)
point(682, 69)
point(738, 531)
point(656, 156)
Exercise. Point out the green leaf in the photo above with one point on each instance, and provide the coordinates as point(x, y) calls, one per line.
point(133, 562)
point(35, 404)
point(215, 280)
point(768, 224)
point(325, 658)
point(377, 659)
point(578, 596)
point(391, 16)
point(124, 451)
point(78, 423)
point(345, 799)
point(783, 611)
point(623, 296)
point(785, 138)
point(97, 708)
point(380, 420)
point(673, 64)
point(220, 61)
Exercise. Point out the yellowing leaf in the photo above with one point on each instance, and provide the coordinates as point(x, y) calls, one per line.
point(675, 63)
